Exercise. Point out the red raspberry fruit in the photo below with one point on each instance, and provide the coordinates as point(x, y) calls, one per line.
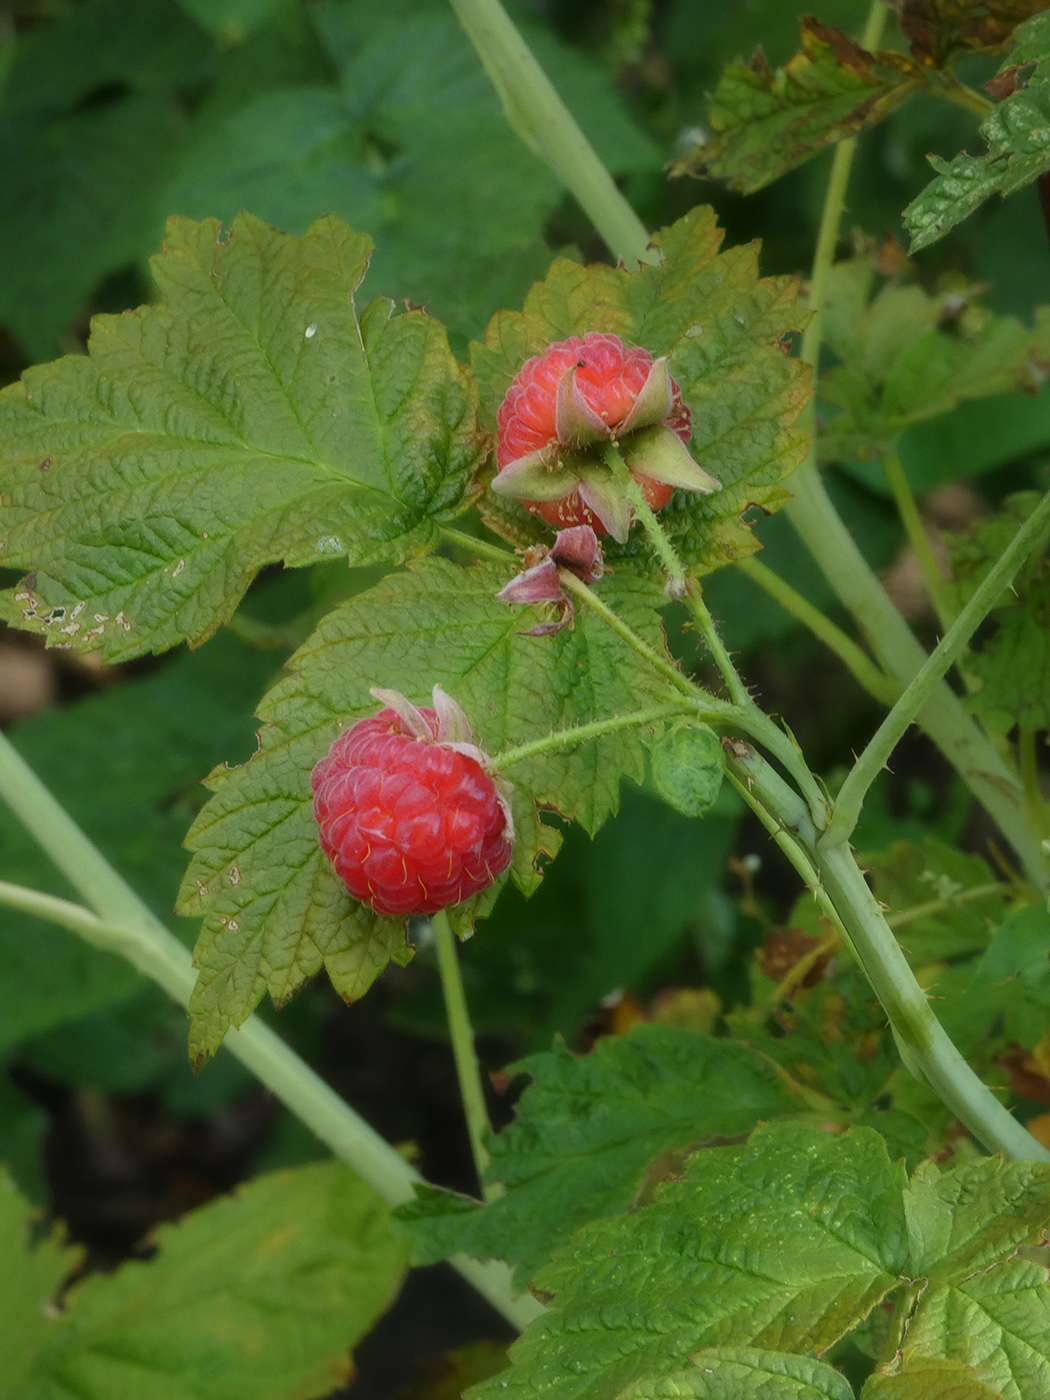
point(576, 399)
point(408, 816)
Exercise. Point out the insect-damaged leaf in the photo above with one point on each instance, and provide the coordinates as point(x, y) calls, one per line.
point(783, 1243)
point(274, 911)
point(724, 331)
point(252, 417)
point(586, 1131)
point(764, 123)
point(937, 30)
point(1016, 134)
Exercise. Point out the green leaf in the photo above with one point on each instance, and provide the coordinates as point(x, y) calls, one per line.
point(688, 764)
point(1013, 664)
point(907, 357)
point(256, 1296)
point(720, 325)
point(275, 913)
point(833, 1036)
point(251, 418)
point(75, 204)
point(929, 890)
point(764, 123)
point(930, 1378)
point(1016, 970)
point(1015, 132)
point(784, 1243)
point(231, 20)
point(586, 1131)
point(134, 786)
point(23, 1125)
point(87, 125)
point(742, 1373)
point(412, 146)
point(30, 1280)
point(973, 1215)
point(984, 1305)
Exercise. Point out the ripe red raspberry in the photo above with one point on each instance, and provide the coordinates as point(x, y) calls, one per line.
point(579, 397)
point(408, 816)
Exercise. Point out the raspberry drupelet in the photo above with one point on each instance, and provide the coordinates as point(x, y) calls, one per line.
point(565, 407)
point(407, 813)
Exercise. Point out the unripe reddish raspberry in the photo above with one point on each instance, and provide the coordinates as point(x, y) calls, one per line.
point(407, 813)
point(565, 407)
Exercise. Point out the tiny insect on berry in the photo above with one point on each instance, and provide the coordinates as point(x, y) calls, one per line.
point(567, 407)
point(407, 812)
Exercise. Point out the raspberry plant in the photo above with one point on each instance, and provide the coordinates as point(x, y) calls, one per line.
point(757, 1197)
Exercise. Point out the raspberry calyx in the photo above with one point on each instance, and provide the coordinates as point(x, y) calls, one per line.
point(408, 814)
point(566, 406)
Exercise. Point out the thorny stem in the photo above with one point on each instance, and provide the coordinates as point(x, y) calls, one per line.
point(582, 733)
point(821, 529)
point(837, 882)
point(856, 660)
point(123, 924)
point(811, 510)
point(544, 123)
point(885, 739)
point(462, 1032)
point(919, 540)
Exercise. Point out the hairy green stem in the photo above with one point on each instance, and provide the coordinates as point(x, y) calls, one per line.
point(124, 925)
point(582, 733)
point(919, 540)
point(889, 733)
point(482, 549)
point(745, 716)
point(738, 691)
point(666, 668)
point(854, 658)
point(468, 1071)
point(643, 512)
point(544, 123)
point(838, 883)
